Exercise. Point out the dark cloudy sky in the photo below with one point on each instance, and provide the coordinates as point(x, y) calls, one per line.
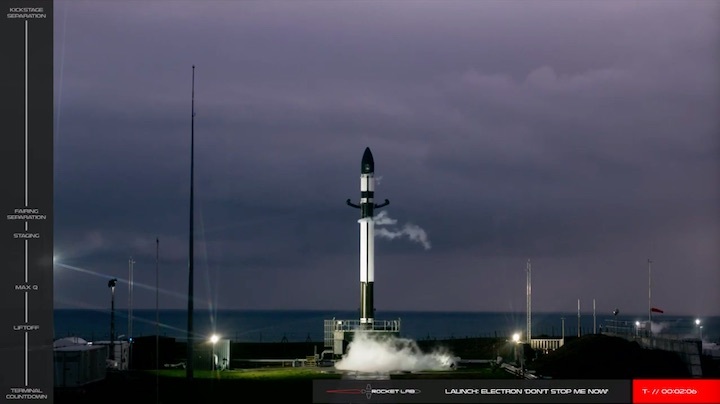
point(581, 135)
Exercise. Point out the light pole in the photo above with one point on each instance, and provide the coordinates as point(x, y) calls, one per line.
point(111, 285)
point(615, 314)
point(214, 339)
point(699, 327)
point(519, 353)
point(637, 328)
point(130, 309)
point(130, 298)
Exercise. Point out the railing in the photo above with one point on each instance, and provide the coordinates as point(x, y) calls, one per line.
point(546, 344)
point(659, 329)
point(351, 325)
point(623, 328)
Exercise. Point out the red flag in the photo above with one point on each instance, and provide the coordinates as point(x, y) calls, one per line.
point(656, 310)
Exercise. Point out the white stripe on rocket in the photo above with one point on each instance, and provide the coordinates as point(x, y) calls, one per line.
point(363, 249)
point(367, 182)
point(367, 249)
point(371, 250)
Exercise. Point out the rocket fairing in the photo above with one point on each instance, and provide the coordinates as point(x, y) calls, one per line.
point(367, 207)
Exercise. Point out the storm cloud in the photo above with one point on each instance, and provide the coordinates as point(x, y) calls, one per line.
point(581, 135)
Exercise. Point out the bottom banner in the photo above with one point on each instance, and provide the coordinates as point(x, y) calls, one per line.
point(472, 391)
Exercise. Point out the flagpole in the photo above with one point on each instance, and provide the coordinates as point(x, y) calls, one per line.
point(650, 291)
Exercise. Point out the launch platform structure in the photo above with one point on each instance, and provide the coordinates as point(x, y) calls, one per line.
point(340, 332)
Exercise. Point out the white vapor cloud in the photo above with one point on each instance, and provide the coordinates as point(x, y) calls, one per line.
point(368, 353)
point(412, 231)
point(383, 219)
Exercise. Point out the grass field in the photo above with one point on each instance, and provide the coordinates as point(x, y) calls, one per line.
point(310, 373)
point(285, 373)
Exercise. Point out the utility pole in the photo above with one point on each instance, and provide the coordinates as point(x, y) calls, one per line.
point(578, 327)
point(594, 319)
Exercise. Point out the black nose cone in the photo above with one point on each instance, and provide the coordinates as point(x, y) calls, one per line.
point(368, 164)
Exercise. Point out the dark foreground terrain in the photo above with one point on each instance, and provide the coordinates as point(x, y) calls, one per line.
point(284, 385)
point(141, 387)
point(589, 357)
point(606, 357)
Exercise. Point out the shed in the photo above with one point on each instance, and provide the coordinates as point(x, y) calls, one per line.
point(78, 363)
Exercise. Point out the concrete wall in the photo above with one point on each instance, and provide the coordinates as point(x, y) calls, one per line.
point(689, 350)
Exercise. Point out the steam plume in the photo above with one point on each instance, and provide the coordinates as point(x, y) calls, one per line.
point(412, 231)
point(368, 353)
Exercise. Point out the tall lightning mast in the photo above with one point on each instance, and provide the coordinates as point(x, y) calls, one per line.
point(191, 258)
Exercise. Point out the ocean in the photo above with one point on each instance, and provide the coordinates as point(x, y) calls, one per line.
point(301, 325)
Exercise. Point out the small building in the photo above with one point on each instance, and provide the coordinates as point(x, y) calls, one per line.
point(78, 363)
point(122, 354)
point(207, 354)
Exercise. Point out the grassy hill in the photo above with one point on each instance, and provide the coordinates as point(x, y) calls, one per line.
point(606, 357)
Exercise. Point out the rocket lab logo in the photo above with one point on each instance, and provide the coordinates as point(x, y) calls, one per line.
point(369, 391)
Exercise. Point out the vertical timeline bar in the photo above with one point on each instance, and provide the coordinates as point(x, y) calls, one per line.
point(26, 113)
point(26, 208)
point(26, 358)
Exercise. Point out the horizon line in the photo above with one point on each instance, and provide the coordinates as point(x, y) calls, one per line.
point(539, 312)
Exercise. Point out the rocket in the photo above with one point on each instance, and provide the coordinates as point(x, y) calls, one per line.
point(367, 207)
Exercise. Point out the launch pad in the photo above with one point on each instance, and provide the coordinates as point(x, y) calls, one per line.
point(339, 333)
